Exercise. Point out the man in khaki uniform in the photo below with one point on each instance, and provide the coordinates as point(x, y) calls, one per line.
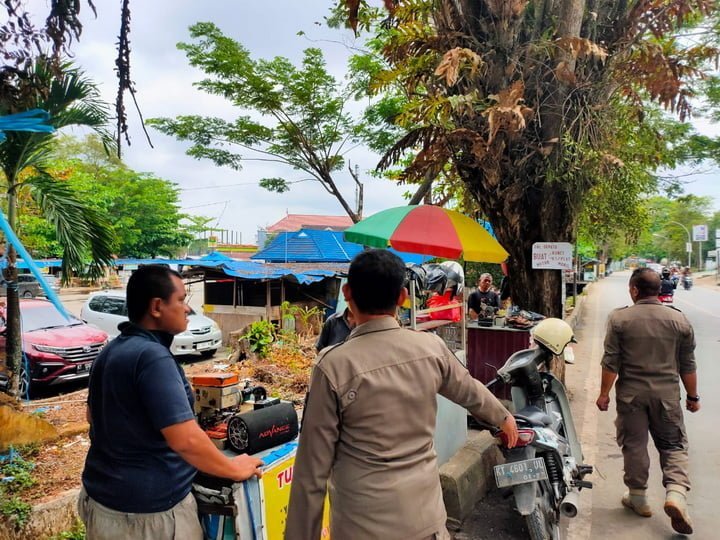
point(649, 349)
point(367, 434)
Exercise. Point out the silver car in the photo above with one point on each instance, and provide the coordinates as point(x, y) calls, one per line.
point(29, 287)
point(107, 309)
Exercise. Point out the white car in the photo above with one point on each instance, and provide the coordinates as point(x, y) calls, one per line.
point(106, 310)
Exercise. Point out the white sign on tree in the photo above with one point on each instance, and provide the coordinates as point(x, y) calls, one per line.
point(552, 256)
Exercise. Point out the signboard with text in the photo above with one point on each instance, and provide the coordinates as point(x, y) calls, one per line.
point(552, 256)
point(700, 233)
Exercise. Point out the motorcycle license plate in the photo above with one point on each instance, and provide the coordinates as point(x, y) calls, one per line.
point(520, 472)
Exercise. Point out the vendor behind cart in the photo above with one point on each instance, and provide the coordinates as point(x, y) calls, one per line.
point(483, 296)
point(145, 445)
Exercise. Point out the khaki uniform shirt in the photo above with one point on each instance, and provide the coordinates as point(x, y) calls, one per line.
point(367, 435)
point(649, 345)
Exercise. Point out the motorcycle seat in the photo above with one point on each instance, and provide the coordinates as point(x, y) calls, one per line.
point(534, 416)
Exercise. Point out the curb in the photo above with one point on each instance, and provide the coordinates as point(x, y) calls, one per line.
point(47, 519)
point(468, 476)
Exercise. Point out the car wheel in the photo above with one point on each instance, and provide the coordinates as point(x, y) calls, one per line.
point(27, 294)
point(208, 354)
point(24, 390)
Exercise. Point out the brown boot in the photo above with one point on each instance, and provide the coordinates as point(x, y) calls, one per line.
point(636, 500)
point(676, 508)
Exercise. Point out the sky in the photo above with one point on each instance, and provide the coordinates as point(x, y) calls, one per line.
point(164, 84)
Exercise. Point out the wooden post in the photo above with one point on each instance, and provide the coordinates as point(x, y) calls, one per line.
point(268, 302)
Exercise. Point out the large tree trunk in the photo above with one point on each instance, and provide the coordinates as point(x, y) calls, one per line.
point(524, 210)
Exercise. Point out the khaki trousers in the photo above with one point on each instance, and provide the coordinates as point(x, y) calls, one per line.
point(663, 420)
point(181, 522)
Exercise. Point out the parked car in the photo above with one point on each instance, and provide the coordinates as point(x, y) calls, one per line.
point(107, 309)
point(57, 349)
point(28, 286)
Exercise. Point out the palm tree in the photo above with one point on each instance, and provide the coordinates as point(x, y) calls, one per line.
point(72, 100)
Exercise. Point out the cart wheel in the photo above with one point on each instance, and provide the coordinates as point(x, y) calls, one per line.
point(237, 434)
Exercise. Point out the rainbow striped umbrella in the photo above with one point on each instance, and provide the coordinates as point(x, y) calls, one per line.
point(429, 230)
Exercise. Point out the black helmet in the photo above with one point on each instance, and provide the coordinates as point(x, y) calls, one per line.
point(665, 272)
point(436, 278)
point(416, 273)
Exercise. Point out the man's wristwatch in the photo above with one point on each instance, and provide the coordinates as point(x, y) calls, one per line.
point(693, 398)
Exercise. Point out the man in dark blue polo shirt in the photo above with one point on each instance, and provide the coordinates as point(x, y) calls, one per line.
point(336, 329)
point(145, 443)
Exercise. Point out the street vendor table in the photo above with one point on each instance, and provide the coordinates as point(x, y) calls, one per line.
point(489, 347)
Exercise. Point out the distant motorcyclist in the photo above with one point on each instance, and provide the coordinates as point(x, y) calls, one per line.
point(687, 278)
point(666, 284)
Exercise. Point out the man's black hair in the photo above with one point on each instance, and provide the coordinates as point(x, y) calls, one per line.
point(376, 277)
point(148, 282)
point(647, 282)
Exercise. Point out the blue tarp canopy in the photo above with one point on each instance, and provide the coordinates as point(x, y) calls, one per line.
point(240, 269)
point(315, 246)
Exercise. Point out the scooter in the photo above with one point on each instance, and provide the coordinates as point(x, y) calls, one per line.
point(687, 283)
point(666, 298)
point(545, 469)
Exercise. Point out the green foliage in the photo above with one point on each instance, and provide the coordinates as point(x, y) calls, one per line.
point(76, 533)
point(260, 335)
point(146, 220)
point(16, 510)
point(15, 476)
point(293, 115)
point(72, 100)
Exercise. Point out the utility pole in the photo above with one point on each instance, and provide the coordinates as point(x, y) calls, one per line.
point(688, 246)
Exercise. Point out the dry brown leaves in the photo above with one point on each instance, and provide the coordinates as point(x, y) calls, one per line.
point(507, 9)
point(509, 114)
point(582, 48)
point(285, 372)
point(453, 61)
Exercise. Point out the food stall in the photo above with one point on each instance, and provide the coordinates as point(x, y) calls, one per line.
point(436, 231)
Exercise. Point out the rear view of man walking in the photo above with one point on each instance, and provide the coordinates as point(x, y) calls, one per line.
point(649, 349)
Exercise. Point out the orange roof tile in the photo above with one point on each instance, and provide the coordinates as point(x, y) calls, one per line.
point(295, 222)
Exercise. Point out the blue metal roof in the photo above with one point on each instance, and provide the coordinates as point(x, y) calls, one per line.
point(309, 245)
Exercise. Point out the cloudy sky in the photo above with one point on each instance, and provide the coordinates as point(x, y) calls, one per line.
point(164, 80)
point(164, 84)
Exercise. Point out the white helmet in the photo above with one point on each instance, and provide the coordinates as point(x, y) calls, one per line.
point(554, 334)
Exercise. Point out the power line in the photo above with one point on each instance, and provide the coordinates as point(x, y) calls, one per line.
point(243, 184)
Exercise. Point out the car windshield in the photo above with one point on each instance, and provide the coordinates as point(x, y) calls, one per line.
point(44, 317)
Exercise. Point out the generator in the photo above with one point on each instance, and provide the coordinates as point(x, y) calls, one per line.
point(240, 415)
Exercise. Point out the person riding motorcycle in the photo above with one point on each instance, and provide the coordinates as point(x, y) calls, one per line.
point(666, 285)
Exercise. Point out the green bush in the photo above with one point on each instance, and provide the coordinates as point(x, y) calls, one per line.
point(15, 509)
point(260, 336)
point(76, 533)
point(15, 475)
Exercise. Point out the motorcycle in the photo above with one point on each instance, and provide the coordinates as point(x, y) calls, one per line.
point(545, 470)
point(666, 298)
point(687, 283)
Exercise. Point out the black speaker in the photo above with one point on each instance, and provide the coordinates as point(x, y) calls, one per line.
point(254, 431)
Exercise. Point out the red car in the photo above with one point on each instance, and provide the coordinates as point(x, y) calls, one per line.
point(58, 350)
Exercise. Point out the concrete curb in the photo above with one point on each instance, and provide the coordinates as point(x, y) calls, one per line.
point(47, 519)
point(468, 476)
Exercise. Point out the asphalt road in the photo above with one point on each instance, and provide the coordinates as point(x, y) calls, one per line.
point(601, 515)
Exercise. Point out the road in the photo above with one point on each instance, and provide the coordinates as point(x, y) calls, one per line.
point(601, 515)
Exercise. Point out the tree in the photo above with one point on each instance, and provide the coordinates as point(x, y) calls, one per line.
point(72, 100)
point(146, 220)
point(297, 116)
point(524, 99)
